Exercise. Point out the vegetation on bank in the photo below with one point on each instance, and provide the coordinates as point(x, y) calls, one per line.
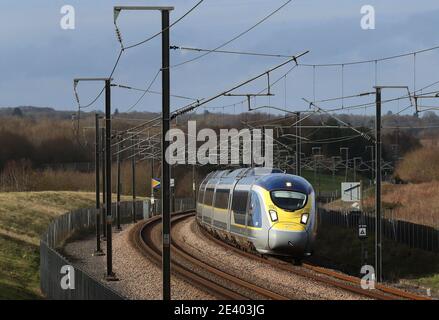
point(415, 200)
point(416, 203)
point(401, 264)
point(24, 216)
point(421, 165)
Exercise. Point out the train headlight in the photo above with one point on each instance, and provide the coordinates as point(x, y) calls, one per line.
point(273, 215)
point(304, 218)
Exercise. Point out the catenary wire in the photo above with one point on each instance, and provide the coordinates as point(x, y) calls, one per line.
point(236, 37)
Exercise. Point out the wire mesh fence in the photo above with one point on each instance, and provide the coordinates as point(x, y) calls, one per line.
point(413, 235)
point(85, 287)
point(80, 220)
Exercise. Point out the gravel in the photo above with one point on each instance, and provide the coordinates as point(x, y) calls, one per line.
point(283, 282)
point(139, 278)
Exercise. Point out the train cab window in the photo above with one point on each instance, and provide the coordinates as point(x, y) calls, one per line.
point(254, 211)
point(239, 205)
point(208, 197)
point(222, 198)
point(200, 195)
point(202, 189)
point(288, 200)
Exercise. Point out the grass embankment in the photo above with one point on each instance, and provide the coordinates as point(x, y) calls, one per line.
point(24, 216)
point(341, 247)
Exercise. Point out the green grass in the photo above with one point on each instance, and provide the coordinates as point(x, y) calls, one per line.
point(431, 282)
point(341, 247)
point(19, 263)
point(24, 216)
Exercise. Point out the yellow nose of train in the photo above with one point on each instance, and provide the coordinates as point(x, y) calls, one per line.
point(289, 202)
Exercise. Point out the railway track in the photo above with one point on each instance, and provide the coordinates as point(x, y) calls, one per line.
point(146, 237)
point(330, 277)
point(354, 280)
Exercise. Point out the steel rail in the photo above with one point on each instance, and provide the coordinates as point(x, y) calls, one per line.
point(178, 249)
point(352, 285)
point(141, 238)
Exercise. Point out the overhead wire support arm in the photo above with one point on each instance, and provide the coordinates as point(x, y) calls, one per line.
point(116, 12)
point(318, 109)
point(155, 92)
point(425, 108)
point(249, 96)
point(258, 54)
point(193, 106)
point(118, 9)
point(77, 80)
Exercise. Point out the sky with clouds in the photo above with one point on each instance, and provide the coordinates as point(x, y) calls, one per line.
point(39, 59)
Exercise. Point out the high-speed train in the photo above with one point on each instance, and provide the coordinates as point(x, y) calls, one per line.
point(260, 209)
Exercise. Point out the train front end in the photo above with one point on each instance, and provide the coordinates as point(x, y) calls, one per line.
point(289, 202)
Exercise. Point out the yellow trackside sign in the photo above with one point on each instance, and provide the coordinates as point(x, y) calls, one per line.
point(155, 183)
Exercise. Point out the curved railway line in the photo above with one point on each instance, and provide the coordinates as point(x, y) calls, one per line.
point(146, 237)
point(330, 277)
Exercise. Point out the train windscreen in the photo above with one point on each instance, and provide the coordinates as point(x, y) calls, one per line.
point(288, 200)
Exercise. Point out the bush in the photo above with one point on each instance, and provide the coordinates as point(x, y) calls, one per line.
point(16, 176)
point(14, 147)
point(421, 165)
point(61, 150)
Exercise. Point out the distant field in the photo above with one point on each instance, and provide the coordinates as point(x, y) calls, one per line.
point(24, 216)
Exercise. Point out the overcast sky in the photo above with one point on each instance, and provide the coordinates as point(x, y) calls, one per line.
point(39, 59)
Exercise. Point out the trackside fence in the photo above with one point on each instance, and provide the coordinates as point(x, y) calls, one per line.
point(411, 234)
point(83, 220)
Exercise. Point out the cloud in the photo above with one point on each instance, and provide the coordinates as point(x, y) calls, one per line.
point(39, 59)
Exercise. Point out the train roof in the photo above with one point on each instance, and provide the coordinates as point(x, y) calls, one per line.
point(267, 178)
point(242, 172)
point(282, 181)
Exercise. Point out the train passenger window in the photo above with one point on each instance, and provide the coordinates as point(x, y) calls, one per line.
point(222, 198)
point(239, 205)
point(254, 212)
point(208, 197)
point(288, 200)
